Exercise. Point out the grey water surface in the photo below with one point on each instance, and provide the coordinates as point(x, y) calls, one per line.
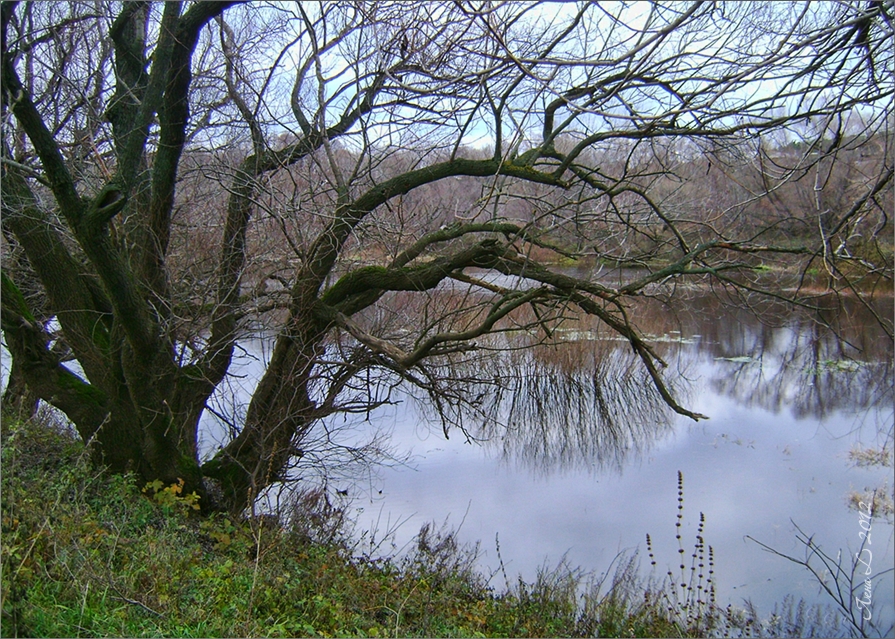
point(580, 461)
point(585, 462)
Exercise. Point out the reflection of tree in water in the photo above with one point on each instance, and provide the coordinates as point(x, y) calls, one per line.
point(812, 363)
point(807, 361)
point(582, 402)
point(573, 404)
point(808, 373)
point(577, 398)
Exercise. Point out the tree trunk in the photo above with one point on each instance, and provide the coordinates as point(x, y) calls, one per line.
point(19, 398)
point(280, 412)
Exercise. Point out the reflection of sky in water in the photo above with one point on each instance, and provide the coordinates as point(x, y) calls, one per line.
point(786, 406)
point(749, 470)
point(785, 410)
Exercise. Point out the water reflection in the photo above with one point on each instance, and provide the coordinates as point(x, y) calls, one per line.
point(583, 401)
point(802, 372)
point(585, 404)
point(811, 363)
point(788, 400)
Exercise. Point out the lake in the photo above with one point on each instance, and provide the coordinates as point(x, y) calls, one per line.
point(586, 459)
point(581, 462)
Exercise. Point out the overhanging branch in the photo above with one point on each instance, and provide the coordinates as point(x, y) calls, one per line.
point(404, 360)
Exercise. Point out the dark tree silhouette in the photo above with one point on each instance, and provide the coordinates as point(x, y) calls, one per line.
point(174, 174)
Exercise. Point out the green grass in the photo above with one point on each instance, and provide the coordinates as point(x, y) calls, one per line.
point(85, 554)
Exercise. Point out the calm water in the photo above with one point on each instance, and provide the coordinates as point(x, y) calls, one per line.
point(787, 404)
point(582, 461)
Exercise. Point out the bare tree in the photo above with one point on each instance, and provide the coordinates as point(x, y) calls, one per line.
point(390, 187)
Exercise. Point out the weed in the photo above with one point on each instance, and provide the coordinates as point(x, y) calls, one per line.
point(864, 457)
point(85, 554)
point(171, 497)
point(850, 584)
point(688, 594)
point(687, 597)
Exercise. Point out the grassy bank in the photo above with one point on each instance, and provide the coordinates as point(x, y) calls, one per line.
point(88, 555)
